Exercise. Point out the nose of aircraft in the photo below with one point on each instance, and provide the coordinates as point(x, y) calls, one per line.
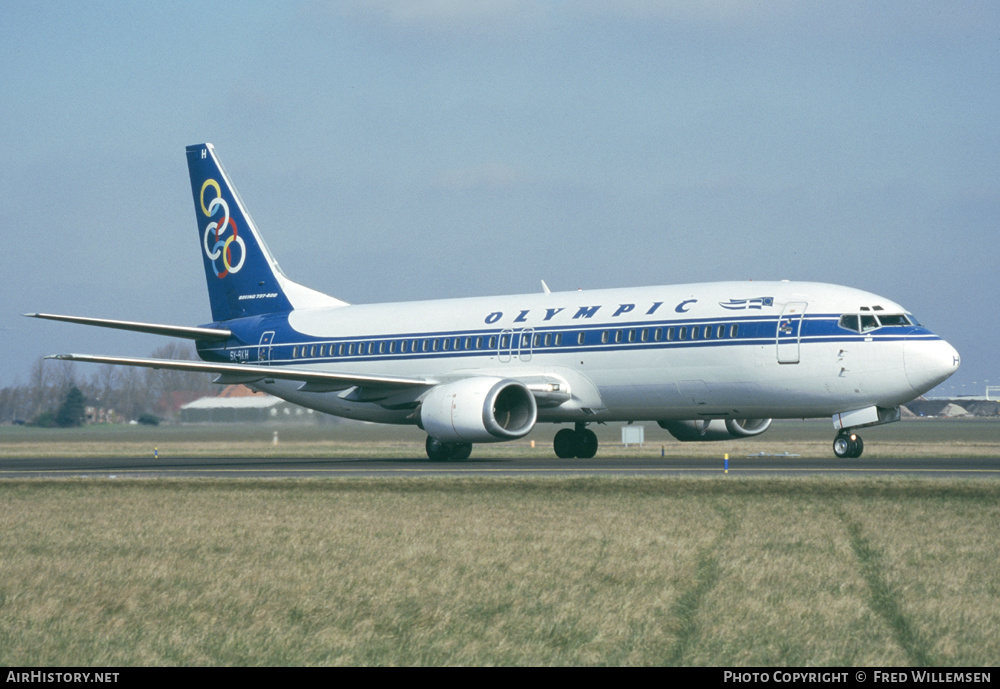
point(929, 363)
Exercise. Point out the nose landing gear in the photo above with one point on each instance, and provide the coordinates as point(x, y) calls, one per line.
point(848, 445)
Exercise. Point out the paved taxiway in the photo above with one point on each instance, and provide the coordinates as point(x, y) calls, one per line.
point(180, 467)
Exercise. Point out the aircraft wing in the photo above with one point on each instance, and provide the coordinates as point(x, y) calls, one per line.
point(182, 331)
point(312, 380)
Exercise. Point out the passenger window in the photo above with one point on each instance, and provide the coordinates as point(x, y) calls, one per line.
point(694, 333)
point(631, 335)
point(670, 334)
point(381, 347)
point(604, 337)
point(618, 336)
point(645, 335)
point(295, 352)
point(658, 334)
point(720, 332)
point(492, 342)
point(558, 339)
point(445, 344)
point(392, 347)
point(733, 330)
point(683, 334)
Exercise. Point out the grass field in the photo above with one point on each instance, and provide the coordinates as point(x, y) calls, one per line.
point(918, 438)
point(673, 571)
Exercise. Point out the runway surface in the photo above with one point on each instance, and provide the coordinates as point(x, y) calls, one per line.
point(371, 468)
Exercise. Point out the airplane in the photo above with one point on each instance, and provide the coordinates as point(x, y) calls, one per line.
point(709, 361)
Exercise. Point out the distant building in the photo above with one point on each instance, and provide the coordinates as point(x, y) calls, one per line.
point(239, 404)
point(99, 415)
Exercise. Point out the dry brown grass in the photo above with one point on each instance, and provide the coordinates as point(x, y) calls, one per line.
point(543, 571)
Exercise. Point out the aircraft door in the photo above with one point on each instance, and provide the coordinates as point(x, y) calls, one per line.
point(515, 344)
point(264, 348)
point(790, 332)
point(505, 345)
point(524, 344)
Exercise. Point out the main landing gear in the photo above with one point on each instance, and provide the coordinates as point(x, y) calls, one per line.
point(848, 445)
point(580, 442)
point(447, 452)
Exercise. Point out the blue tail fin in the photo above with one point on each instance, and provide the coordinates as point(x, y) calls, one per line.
point(243, 277)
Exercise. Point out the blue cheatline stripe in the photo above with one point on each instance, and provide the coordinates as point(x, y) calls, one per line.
point(752, 331)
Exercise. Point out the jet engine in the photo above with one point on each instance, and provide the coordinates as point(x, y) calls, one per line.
point(715, 429)
point(478, 410)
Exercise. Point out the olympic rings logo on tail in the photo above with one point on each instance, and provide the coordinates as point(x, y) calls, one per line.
point(215, 234)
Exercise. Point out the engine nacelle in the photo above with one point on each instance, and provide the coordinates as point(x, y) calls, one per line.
point(715, 429)
point(478, 410)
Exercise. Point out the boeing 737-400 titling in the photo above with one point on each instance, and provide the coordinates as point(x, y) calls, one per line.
point(707, 361)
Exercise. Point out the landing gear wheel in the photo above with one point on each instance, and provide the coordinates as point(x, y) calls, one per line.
point(437, 451)
point(586, 444)
point(580, 443)
point(565, 444)
point(447, 452)
point(848, 446)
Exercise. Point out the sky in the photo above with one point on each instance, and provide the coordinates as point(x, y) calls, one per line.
point(414, 150)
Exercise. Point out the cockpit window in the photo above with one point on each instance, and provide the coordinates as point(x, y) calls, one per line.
point(866, 321)
point(850, 322)
point(893, 319)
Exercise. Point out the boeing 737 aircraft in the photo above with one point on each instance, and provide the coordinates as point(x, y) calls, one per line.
point(708, 361)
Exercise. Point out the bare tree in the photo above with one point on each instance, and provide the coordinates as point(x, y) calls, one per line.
point(38, 387)
point(167, 389)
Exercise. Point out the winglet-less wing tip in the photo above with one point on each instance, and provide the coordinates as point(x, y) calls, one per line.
point(186, 332)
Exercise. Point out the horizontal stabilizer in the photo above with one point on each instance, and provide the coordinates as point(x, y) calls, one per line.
point(185, 332)
point(250, 373)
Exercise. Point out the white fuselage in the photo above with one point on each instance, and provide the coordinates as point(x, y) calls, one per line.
point(699, 351)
